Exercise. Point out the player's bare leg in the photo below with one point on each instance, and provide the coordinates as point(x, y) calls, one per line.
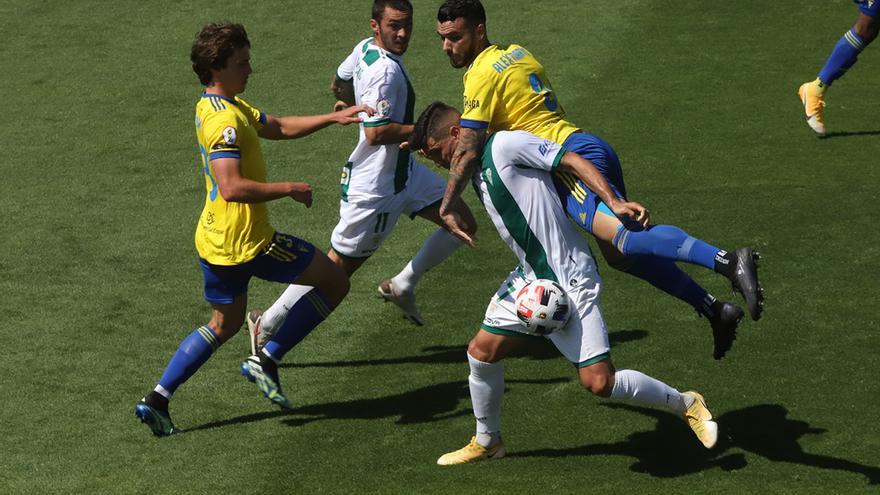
point(348, 264)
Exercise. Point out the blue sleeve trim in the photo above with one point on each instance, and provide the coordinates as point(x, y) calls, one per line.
point(225, 154)
point(262, 118)
point(474, 124)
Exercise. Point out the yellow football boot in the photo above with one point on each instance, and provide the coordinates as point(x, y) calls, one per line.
point(699, 419)
point(813, 99)
point(472, 452)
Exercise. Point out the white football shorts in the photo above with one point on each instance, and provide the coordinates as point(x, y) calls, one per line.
point(583, 340)
point(363, 227)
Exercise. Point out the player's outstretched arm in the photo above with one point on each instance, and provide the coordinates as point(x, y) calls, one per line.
point(392, 133)
point(297, 126)
point(237, 189)
point(595, 181)
point(465, 163)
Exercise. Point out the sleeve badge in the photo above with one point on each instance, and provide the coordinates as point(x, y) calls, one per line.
point(383, 108)
point(229, 135)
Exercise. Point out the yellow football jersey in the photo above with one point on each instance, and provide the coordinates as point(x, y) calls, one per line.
point(230, 233)
point(506, 89)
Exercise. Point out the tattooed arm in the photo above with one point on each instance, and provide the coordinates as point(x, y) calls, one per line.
point(465, 163)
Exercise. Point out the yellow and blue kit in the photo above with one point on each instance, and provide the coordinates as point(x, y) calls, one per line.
point(506, 88)
point(230, 233)
point(235, 240)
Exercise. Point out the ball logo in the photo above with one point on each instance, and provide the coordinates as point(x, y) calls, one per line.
point(542, 306)
point(229, 135)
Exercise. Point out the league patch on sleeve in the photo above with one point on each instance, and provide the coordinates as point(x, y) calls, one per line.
point(229, 135)
point(383, 109)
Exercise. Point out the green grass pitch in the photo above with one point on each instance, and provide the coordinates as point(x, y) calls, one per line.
point(100, 192)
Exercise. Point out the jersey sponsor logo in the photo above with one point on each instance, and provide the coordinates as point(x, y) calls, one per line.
point(471, 104)
point(545, 147)
point(383, 108)
point(229, 135)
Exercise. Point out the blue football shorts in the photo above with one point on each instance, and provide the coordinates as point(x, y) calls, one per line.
point(869, 7)
point(283, 259)
point(580, 203)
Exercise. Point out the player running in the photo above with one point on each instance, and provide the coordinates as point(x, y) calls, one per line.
point(234, 238)
point(844, 56)
point(505, 88)
point(380, 182)
point(517, 190)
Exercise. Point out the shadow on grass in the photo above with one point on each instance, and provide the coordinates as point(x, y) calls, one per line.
point(671, 450)
point(850, 134)
point(422, 405)
point(540, 349)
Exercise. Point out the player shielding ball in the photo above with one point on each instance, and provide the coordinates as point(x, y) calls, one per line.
point(515, 186)
point(506, 88)
point(234, 239)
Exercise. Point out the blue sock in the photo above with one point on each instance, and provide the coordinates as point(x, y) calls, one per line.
point(665, 275)
point(302, 318)
point(845, 54)
point(667, 242)
point(192, 353)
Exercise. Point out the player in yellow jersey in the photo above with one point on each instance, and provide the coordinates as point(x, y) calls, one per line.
point(506, 88)
point(233, 237)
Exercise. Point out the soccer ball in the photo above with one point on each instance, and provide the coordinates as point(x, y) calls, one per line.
point(542, 306)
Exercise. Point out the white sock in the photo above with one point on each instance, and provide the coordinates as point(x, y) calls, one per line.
point(439, 246)
point(487, 389)
point(274, 317)
point(639, 387)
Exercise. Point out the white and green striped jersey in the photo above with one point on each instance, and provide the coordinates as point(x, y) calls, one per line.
point(516, 187)
point(381, 82)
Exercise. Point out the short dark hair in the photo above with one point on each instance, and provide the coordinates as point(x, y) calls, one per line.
point(428, 125)
point(214, 45)
point(472, 11)
point(380, 5)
